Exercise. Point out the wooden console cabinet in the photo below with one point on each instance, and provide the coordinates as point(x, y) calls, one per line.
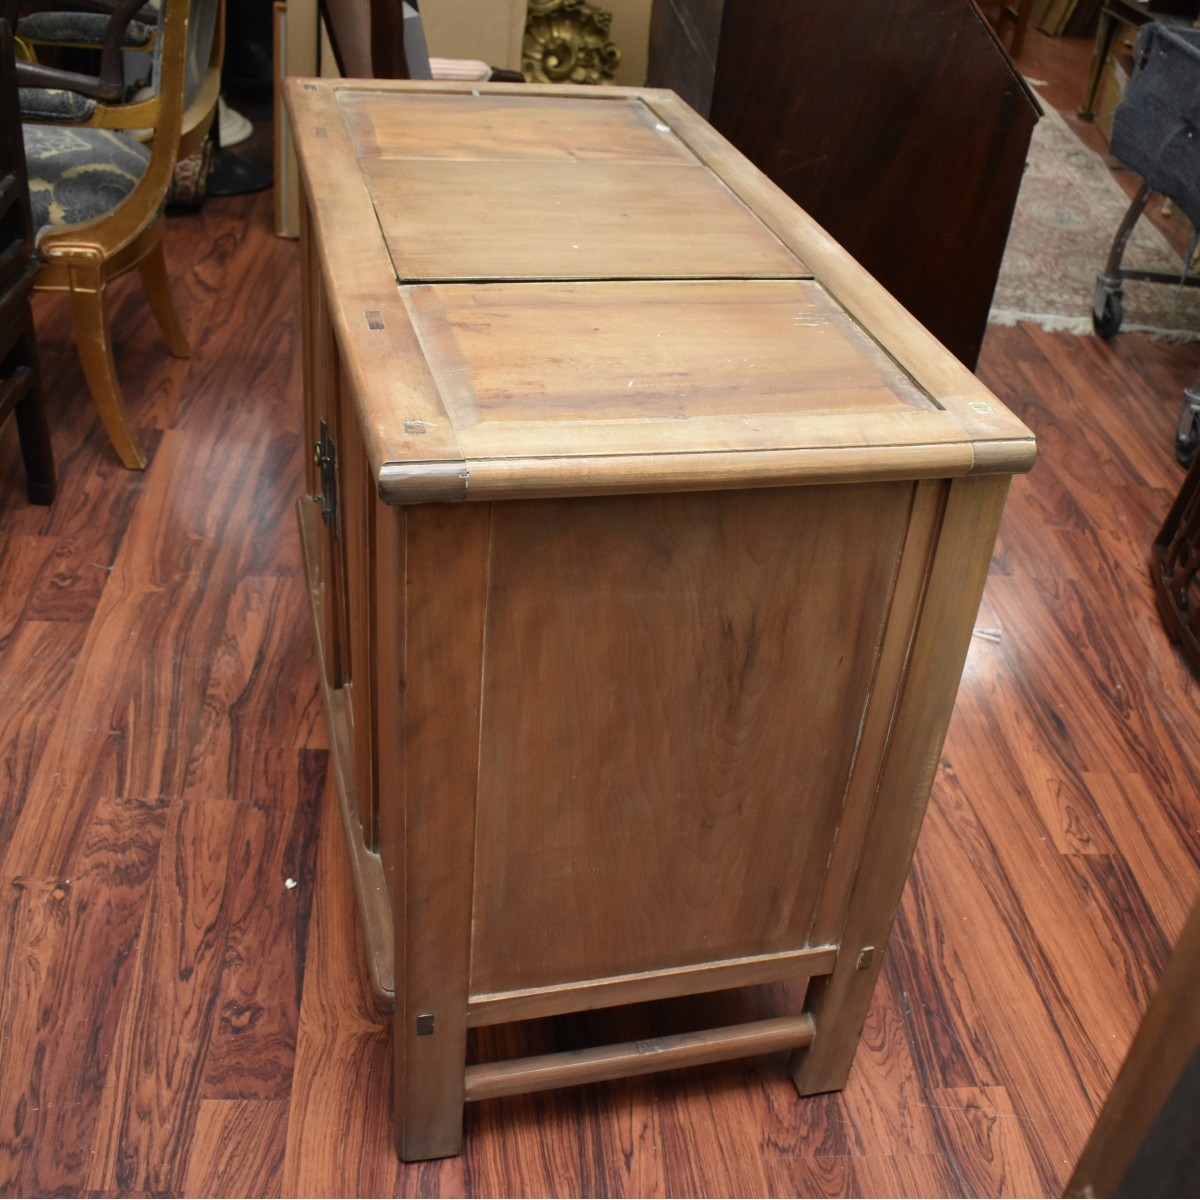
point(645, 535)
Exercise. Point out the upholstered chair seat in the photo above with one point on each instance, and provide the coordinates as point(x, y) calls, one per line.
point(78, 175)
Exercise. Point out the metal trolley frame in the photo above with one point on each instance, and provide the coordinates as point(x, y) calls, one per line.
point(1156, 132)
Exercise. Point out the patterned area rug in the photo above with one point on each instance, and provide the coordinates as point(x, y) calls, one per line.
point(1067, 213)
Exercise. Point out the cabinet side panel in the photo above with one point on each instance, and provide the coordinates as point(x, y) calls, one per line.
point(673, 696)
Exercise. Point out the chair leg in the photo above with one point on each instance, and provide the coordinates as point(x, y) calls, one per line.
point(93, 336)
point(1024, 10)
point(153, 270)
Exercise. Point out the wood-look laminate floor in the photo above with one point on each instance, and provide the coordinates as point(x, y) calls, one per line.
point(183, 1004)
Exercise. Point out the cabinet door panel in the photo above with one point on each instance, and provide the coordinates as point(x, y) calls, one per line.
point(672, 696)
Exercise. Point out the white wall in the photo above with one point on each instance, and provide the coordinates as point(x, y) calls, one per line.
point(631, 32)
point(486, 29)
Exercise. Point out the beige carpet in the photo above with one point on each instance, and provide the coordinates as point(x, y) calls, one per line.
point(1067, 213)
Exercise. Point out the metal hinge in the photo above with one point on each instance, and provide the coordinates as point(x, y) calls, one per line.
point(325, 456)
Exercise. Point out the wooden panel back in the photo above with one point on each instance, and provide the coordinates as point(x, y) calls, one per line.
point(672, 690)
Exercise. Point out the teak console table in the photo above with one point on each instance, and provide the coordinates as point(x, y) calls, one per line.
point(645, 535)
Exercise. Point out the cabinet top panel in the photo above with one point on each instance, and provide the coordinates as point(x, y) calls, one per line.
point(540, 373)
point(507, 126)
point(533, 187)
point(560, 291)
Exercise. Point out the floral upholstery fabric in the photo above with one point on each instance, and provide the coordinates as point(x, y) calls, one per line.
point(79, 29)
point(55, 104)
point(79, 174)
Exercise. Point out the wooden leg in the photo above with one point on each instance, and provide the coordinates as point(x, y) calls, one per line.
point(1021, 27)
point(428, 848)
point(839, 1002)
point(1105, 33)
point(94, 339)
point(153, 270)
point(41, 483)
point(34, 432)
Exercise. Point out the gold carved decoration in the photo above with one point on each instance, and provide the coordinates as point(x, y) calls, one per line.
point(566, 41)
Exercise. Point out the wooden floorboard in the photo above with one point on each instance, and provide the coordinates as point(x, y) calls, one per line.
point(184, 1006)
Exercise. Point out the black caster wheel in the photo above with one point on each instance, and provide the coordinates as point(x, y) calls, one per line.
point(1186, 443)
point(1107, 323)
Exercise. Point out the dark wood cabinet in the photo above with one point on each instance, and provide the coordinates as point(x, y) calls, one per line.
point(900, 125)
point(20, 377)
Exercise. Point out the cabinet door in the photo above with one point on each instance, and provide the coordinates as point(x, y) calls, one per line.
point(356, 561)
point(339, 484)
point(322, 429)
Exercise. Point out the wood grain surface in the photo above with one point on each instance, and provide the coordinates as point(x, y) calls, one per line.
point(678, 352)
point(505, 126)
point(163, 758)
point(590, 221)
point(706, 393)
point(668, 743)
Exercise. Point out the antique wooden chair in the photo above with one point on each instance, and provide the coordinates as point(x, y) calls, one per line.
point(20, 379)
point(98, 195)
point(109, 27)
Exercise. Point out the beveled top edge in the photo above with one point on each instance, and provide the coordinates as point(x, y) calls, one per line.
point(482, 87)
point(407, 483)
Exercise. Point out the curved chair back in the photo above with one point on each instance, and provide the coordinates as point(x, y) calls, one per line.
point(203, 51)
point(120, 26)
point(179, 114)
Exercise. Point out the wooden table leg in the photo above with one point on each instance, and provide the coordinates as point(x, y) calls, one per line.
point(839, 1001)
point(428, 705)
point(1105, 32)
